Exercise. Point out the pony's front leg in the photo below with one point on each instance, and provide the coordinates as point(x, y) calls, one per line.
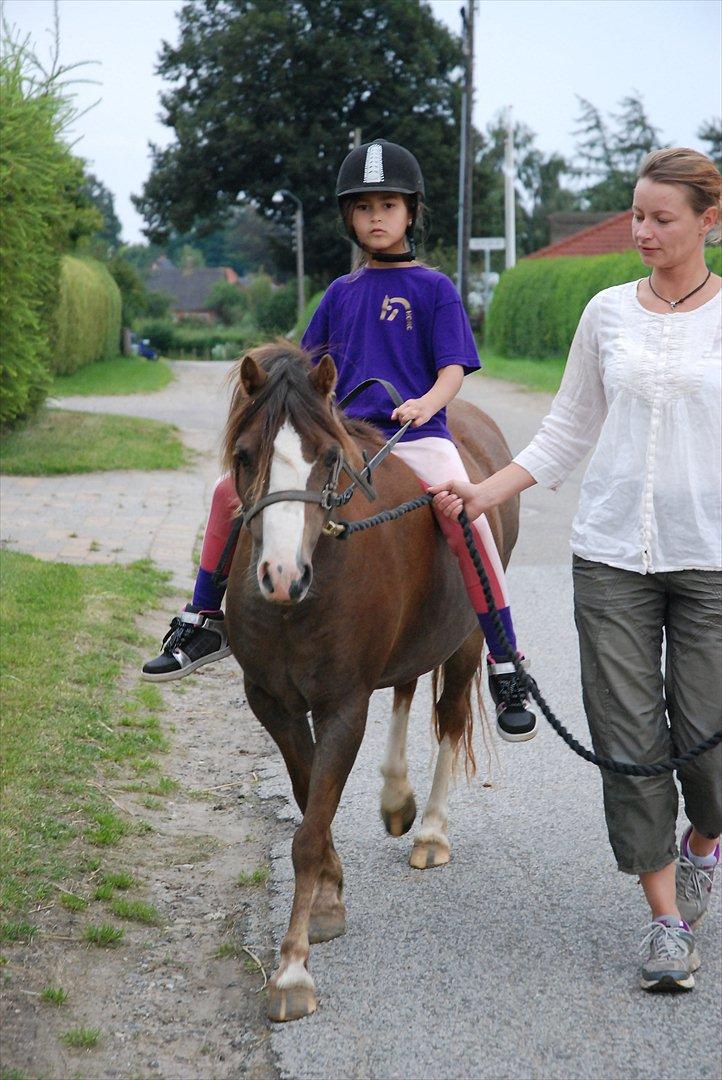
point(328, 911)
point(398, 806)
point(291, 991)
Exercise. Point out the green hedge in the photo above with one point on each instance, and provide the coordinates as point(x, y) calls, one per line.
point(87, 317)
point(537, 305)
point(188, 342)
point(36, 168)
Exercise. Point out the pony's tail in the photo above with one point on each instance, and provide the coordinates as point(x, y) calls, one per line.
point(465, 741)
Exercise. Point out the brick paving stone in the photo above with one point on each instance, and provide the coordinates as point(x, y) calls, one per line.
point(128, 515)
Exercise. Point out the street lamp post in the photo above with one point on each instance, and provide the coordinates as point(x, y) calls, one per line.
point(298, 216)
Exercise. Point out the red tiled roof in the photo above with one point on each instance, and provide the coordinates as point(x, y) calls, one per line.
point(612, 235)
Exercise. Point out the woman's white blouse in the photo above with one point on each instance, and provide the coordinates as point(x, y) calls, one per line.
point(647, 389)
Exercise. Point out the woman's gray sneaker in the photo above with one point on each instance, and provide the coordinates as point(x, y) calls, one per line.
point(195, 638)
point(670, 957)
point(694, 883)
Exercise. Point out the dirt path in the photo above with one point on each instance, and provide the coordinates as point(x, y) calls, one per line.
point(165, 1003)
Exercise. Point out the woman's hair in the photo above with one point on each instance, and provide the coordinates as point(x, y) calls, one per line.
point(346, 208)
point(695, 172)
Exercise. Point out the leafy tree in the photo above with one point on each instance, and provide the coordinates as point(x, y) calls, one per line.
point(610, 152)
point(101, 197)
point(711, 132)
point(265, 96)
point(228, 302)
point(539, 190)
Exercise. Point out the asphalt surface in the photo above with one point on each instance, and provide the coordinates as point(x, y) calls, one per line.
point(519, 958)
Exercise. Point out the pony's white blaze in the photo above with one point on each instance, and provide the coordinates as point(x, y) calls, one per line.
point(280, 564)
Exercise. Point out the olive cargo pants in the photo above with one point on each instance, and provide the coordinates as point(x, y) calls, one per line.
point(637, 712)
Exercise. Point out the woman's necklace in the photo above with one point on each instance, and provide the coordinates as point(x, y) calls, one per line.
point(674, 303)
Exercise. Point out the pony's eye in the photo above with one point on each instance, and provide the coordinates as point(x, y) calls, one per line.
point(243, 458)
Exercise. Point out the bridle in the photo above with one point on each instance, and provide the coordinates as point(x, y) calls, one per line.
point(328, 498)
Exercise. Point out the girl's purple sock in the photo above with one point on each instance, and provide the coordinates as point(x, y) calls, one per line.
point(206, 595)
point(496, 649)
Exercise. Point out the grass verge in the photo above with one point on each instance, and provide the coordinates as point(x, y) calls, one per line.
point(66, 633)
point(535, 374)
point(124, 375)
point(58, 442)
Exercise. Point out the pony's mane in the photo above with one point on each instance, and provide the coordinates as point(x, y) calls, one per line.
point(287, 393)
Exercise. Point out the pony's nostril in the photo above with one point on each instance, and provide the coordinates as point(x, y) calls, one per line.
point(300, 585)
point(266, 578)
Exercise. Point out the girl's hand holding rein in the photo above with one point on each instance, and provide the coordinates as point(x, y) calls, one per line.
point(415, 409)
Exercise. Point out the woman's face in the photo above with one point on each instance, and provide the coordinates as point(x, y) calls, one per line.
point(380, 220)
point(665, 228)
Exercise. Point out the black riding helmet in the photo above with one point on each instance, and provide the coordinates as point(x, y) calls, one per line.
point(382, 166)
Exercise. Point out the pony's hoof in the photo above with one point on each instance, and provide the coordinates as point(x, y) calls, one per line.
point(291, 1004)
point(399, 821)
point(326, 925)
point(424, 856)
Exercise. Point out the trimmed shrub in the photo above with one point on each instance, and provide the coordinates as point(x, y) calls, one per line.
point(35, 169)
point(308, 312)
point(87, 317)
point(183, 342)
point(536, 306)
point(277, 313)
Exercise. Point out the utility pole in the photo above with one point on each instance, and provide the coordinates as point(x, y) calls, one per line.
point(509, 196)
point(466, 156)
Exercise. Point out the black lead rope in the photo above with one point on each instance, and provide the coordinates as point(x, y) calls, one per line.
point(625, 767)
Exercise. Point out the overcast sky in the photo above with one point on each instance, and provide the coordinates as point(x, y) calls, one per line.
point(533, 54)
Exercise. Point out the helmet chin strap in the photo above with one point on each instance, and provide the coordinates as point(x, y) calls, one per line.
point(405, 256)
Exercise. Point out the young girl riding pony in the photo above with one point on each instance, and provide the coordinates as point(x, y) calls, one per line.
point(393, 319)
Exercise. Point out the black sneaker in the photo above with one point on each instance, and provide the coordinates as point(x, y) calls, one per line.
point(195, 638)
point(514, 722)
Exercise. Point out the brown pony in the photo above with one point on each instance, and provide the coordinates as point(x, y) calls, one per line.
point(318, 624)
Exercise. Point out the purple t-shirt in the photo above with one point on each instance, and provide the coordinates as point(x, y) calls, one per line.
point(402, 325)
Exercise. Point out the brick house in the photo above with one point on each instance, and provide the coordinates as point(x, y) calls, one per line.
point(611, 235)
point(190, 289)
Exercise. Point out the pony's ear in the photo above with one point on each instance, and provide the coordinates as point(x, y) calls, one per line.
point(253, 376)
point(323, 375)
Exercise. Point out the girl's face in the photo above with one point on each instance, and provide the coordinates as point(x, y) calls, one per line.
point(665, 228)
point(380, 220)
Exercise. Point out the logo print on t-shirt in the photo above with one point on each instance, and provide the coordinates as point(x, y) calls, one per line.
point(389, 313)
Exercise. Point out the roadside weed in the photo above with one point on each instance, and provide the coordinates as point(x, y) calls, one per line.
point(135, 910)
point(259, 876)
point(103, 892)
point(17, 931)
point(72, 902)
point(226, 949)
point(120, 880)
point(54, 995)
point(104, 935)
point(109, 828)
point(81, 1038)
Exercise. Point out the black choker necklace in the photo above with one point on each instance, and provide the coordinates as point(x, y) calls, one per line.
point(674, 303)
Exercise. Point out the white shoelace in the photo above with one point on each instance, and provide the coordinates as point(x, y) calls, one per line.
point(663, 940)
point(694, 878)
